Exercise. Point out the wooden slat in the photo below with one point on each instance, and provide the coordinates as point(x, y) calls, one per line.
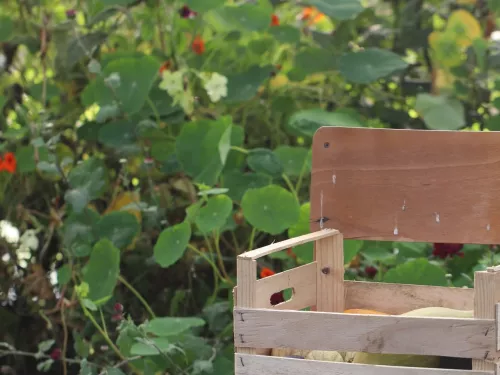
point(292, 242)
point(467, 338)
point(246, 270)
point(303, 281)
point(486, 296)
point(407, 185)
point(259, 365)
point(401, 298)
point(330, 274)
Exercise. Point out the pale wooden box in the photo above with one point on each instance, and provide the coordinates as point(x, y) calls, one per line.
point(379, 184)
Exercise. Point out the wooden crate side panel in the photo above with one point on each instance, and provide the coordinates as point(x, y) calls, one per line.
point(258, 365)
point(467, 338)
point(401, 298)
point(407, 185)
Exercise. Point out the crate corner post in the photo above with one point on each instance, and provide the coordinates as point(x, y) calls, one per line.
point(486, 306)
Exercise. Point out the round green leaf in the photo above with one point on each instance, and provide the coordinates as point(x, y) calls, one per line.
point(169, 326)
point(6, 28)
point(120, 227)
point(263, 160)
point(338, 9)
point(244, 86)
point(293, 159)
point(214, 214)
point(307, 122)
point(78, 232)
point(271, 209)
point(247, 17)
point(368, 65)
point(102, 271)
point(417, 271)
point(440, 112)
point(171, 244)
point(315, 60)
point(157, 346)
point(285, 34)
point(238, 183)
point(202, 6)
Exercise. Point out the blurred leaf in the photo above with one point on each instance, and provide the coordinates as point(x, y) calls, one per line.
point(305, 251)
point(172, 244)
point(440, 112)
point(263, 160)
point(44, 346)
point(202, 6)
point(170, 326)
point(245, 16)
point(156, 346)
point(120, 227)
point(418, 272)
point(63, 274)
point(351, 249)
point(370, 65)
point(202, 367)
point(102, 270)
point(315, 60)
point(6, 28)
point(285, 34)
point(120, 135)
point(198, 149)
point(338, 9)
point(308, 121)
point(244, 86)
point(293, 159)
point(78, 232)
point(238, 182)
point(471, 256)
point(25, 157)
point(270, 209)
point(136, 77)
point(114, 371)
point(214, 214)
point(493, 123)
point(80, 47)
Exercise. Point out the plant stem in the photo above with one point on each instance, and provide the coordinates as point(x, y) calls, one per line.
point(204, 256)
point(4, 353)
point(138, 295)
point(252, 237)
point(103, 322)
point(219, 255)
point(301, 177)
point(240, 149)
point(290, 186)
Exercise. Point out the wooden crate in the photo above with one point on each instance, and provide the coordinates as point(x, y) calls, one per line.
point(389, 185)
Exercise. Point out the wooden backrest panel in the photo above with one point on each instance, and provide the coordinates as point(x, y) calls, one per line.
point(407, 185)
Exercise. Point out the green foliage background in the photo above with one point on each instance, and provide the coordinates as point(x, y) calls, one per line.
point(144, 168)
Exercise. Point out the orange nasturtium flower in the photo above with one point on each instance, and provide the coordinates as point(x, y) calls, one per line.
point(9, 163)
point(275, 21)
point(165, 66)
point(198, 45)
point(265, 272)
point(311, 14)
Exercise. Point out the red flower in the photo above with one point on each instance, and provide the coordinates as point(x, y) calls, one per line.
point(275, 21)
point(165, 66)
point(55, 354)
point(265, 272)
point(198, 45)
point(9, 163)
point(71, 13)
point(444, 250)
point(118, 307)
point(371, 271)
point(186, 12)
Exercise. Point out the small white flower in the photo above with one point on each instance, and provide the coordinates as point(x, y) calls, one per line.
point(9, 232)
point(216, 86)
point(172, 82)
point(29, 239)
point(3, 61)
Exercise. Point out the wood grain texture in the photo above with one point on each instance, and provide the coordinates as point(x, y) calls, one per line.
point(259, 365)
point(486, 296)
point(330, 274)
point(407, 185)
point(292, 242)
point(401, 298)
point(301, 279)
point(467, 338)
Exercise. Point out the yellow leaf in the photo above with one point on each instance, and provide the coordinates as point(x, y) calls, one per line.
point(129, 199)
point(279, 81)
point(464, 26)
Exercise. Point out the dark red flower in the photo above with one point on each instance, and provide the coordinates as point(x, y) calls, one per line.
point(371, 271)
point(444, 250)
point(118, 307)
point(71, 13)
point(277, 298)
point(186, 12)
point(116, 317)
point(55, 354)
point(265, 272)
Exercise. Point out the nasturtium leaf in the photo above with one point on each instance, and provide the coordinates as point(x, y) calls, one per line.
point(464, 264)
point(304, 252)
point(338, 9)
point(293, 159)
point(440, 112)
point(308, 121)
point(202, 6)
point(172, 244)
point(271, 209)
point(369, 65)
point(351, 249)
point(119, 134)
point(157, 346)
point(79, 230)
point(493, 123)
point(25, 156)
point(263, 160)
point(315, 60)
point(114, 371)
point(120, 227)
point(285, 34)
point(198, 149)
point(102, 270)
point(88, 180)
point(6, 28)
point(244, 86)
point(245, 17)
point(417, 271)
point(109, 3)
point(136, 76)
point(63, 274)
point(172, 326)
point(238, 182)
point(214, 214)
